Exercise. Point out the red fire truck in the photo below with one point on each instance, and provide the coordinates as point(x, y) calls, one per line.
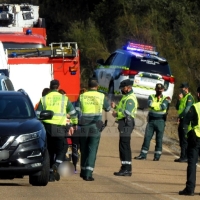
point(30, 63)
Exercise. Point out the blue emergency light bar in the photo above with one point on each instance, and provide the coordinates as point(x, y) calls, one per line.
point(141, 48)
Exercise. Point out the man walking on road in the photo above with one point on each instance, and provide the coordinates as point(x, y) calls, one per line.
point(192, 119)
point(90, 105)
point(158, 106)
point(183, 104)
point(125, 113)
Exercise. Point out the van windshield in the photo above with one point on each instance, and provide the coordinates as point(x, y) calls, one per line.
point(147, 65)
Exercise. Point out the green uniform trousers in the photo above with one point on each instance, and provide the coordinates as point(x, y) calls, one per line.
point(89, 143)
point(158, 127)
point(183, 143)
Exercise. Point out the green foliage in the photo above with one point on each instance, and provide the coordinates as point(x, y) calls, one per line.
point(101, 26)
point(92, 45)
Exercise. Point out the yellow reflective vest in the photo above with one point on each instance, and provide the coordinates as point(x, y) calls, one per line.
point(57, 103)
point(197, 127)
point(121, 107)
point(155, 106)
point(182, 103)
point(91, 103)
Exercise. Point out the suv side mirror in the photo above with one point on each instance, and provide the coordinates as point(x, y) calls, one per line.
point(100, 61)
point(46, 114)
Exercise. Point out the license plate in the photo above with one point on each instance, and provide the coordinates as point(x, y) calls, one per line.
point(149, 80)
point(4, 155)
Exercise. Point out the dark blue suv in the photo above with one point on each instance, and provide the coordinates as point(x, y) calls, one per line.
point(23, 147)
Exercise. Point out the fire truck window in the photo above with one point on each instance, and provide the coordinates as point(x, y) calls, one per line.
point(10, 45)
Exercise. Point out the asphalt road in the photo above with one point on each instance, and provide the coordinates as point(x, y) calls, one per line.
point(150, 180)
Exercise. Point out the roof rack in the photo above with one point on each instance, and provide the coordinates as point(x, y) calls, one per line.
point(62, 49)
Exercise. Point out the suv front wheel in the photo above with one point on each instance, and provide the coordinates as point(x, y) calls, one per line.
point(43, 178)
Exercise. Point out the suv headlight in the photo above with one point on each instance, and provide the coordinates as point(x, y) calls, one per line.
point(28, 137)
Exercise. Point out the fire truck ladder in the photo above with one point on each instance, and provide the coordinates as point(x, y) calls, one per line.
point(62, 49)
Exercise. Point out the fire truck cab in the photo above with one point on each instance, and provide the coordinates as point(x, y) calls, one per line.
point(31, 64)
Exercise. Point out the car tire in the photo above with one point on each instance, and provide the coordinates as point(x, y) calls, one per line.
point(43, 178)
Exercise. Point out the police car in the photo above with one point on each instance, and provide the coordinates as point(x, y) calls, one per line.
point(137, 62)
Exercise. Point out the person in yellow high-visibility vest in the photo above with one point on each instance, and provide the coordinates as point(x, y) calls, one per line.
point(56, 127)
point(125, 113)
point(90, 106)
point(158, 105)
point(192, 120)
point(183, 104)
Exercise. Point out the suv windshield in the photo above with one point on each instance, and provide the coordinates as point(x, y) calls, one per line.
point(147, 65)
point(15, 107)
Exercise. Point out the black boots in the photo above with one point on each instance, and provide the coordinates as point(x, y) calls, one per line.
point(55, 171)
point(123, 172)
point(181, 160)
point(140, 157)
point(186, 192)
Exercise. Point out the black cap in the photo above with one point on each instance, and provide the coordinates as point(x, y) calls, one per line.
point(198, 89)
point(184, 85)
point(54, 82)
point(159, 86)
point(92, 82)
point(126, 82)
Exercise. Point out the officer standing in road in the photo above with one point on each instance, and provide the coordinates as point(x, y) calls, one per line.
point(90, 105)
point(125, 113)
point(192, 124)
point(56, 127)
point(158, 106)
point(183, 104)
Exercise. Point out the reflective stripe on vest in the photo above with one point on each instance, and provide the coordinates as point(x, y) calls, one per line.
point(91, 103)
point(197, 128)
point(57, 103)
point(121, 108)
point(182, 103)
point(157, 108)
